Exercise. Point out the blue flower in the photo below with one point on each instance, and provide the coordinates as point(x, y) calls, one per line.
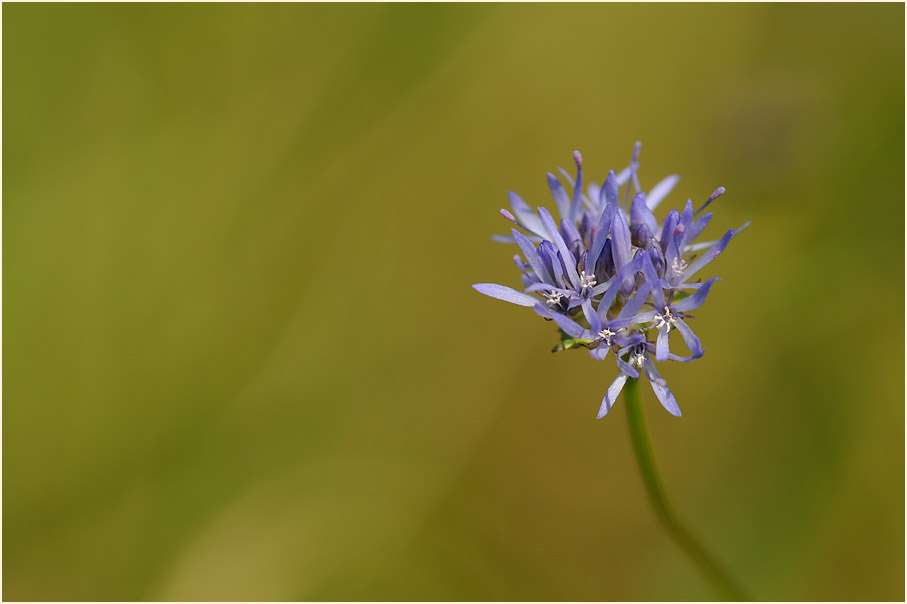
point(594, 271)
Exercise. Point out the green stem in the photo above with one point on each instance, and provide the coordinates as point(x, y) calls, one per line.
point(642, 446)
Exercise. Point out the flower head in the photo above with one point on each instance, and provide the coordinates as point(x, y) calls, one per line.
point(611, 277)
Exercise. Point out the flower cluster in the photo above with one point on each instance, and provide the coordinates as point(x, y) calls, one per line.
point(612, 277)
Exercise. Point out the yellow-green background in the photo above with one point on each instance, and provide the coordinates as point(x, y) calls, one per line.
point(243, 359)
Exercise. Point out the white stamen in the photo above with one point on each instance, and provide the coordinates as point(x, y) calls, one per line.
point(665, 320)
point(678, 266)
point(639, 359)
point(553, 298)
point(587, 280)
point(606, 335)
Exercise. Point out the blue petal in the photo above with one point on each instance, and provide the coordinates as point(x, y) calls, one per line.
point(707, 257)
point(635, 303)
point(604, 305)
point(626, 368)
point(591, 317)
point(543, 311)
point(571, 235)
point(559, 194)
point(570, 327)
point(610, 193)
point(640, 318)
point(531, 255)
point(611, 396)
point(655, 283)
point(641, 214)
point(547, 287)
point(661, 388)
point(707, 244)
point(621, 249)
point(667, 230)
point(686, 218)
point(689, 338)
point(697, 299)
point(600, 288)
point(549, 256)
point(661, 345)
point(601, 233)
point(600, 352)
point(525, 214)
point(558, 240)
point(660, 191)
point(634, 166)
point(577, 186)
point(696, 229)
point(507, 294)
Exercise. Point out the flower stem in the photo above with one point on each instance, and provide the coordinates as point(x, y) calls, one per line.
point(642, 446)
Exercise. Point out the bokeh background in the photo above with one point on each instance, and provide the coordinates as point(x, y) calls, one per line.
point(244, 361)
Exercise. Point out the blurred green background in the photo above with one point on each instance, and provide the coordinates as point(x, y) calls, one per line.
point(244, 361)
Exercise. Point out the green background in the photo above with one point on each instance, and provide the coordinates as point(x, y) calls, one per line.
point(244, 361)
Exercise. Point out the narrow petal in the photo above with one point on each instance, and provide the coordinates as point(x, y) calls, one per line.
point(593, 196)
point(601, 233)
point(601, 287)
point(542, 310)
point(697, 299)
point(641, 214)
point(610, 193)
point(660, 191)
point(570, 327)
point(652, 278)
point(611, 396)
point(696, 229)
point(643, 317)
point(686, 218)
point(623, 176)
point(604, 305)
point(707, 257)
point(634, 166)
point(566, 176)
point(531, 255)
point(707, 244)
point(621, 249)
point(627, 368)
point(635, 303)
point(667, 230)
point(559, 194)
point(561, 245)
point(577, 186)
point(600, 352)
point(594, 322)
point(525, 214)
point(570, 234)
point(546, 287)
point(549, 256)
point(689, 338)
point(661, 388)
point(661, 345)
point(502, 292)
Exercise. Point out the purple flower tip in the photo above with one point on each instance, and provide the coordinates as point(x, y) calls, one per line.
point(578, 158)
